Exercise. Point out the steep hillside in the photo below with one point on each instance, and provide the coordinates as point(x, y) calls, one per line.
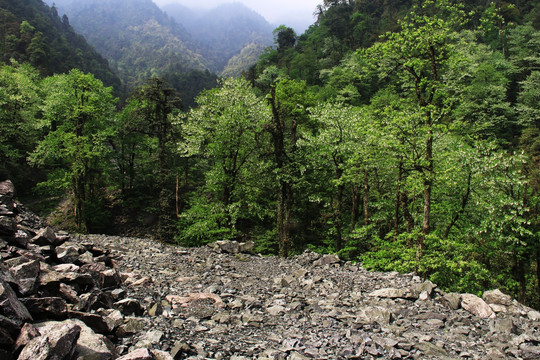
point(33, 32)
point(139, 39)
point(224, 32)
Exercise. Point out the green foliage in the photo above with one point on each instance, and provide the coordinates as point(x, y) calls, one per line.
point(76, 111)
point(224, 133)
point(20, 101)
point(34, 33)
point(418, 151)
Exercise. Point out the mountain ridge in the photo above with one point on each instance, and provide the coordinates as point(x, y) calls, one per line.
point(34, 32)
point(141, 40)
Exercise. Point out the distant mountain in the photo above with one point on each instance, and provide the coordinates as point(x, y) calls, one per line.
point(33, 32)
point(224, 32)
point(137, 37)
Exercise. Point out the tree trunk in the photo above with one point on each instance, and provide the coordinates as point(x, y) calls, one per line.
point(464, 201)
point(339, 218)
point(283, 213)
point(355, 206)
point(365, 198)
point(398, 199)
point(428, 185)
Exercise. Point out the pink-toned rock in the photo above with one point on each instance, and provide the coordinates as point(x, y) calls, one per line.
point(28, 333)
point(185, 301)
point(37, 349)
point(476, 306)
point(139, 354)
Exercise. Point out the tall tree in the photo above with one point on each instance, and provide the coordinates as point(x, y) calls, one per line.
point(417, 57)
point(225, 133)
point(289, 101)
point(20, 100)
point(156, 104)
point(77, 113)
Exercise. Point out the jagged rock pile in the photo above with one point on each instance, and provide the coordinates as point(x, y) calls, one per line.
point(139, 299)
point(59, 299)
point(218, 303)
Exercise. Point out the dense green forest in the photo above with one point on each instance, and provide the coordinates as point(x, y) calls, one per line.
point(33, 32)
point(402, 134)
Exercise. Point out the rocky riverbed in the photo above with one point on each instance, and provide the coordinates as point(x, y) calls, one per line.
point(102, 297)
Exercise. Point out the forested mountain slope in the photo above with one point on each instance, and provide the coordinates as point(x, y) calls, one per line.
point(227, 31)
point(33, 32)
point(403, 137)
point(139, 40)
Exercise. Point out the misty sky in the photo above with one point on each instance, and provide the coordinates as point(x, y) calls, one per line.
point(295, 13)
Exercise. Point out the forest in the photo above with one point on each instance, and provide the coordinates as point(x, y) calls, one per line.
point(401, 134)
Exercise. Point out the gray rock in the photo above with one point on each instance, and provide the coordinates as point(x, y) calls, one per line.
point(45, 236)
point(27, 275)
point(46, 307)
point(452, 300)
point(63, 340)
point(96, 322)
point(129, 307)
point(8, 225)
point(28, 333)
point(11, 306)
point(502, 326)
point(69, 252)
point(329, 259)
point(430, 349)
point(391, 293)
point(7, 189)
point(131, 325)
point(497, 297)
point(227, 246)
point(11, 327)
point(148, 339)
point(374, 315)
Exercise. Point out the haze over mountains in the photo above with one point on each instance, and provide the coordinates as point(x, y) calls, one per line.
point(140, 40)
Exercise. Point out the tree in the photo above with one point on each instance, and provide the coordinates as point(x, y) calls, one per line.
point(332, 147)
point(77, 111)
point(416, 58)
point(289, 101)
point(20, 99)
point(153, 106)
point(225, 133)
point(284, 38)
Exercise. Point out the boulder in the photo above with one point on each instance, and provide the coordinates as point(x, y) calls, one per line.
point(27, 275)
point(139, 354)
point(27, 333)
point(129, 307)
point(497, 297)
point(69, 252)
point(36, 349)
point(46, 307)
point(45, 236)
point(328, 259)
point(8, 225)
point(89, 344)
point(374, 315)
point(476, 306)
point(7, 189)
point(11, 306)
